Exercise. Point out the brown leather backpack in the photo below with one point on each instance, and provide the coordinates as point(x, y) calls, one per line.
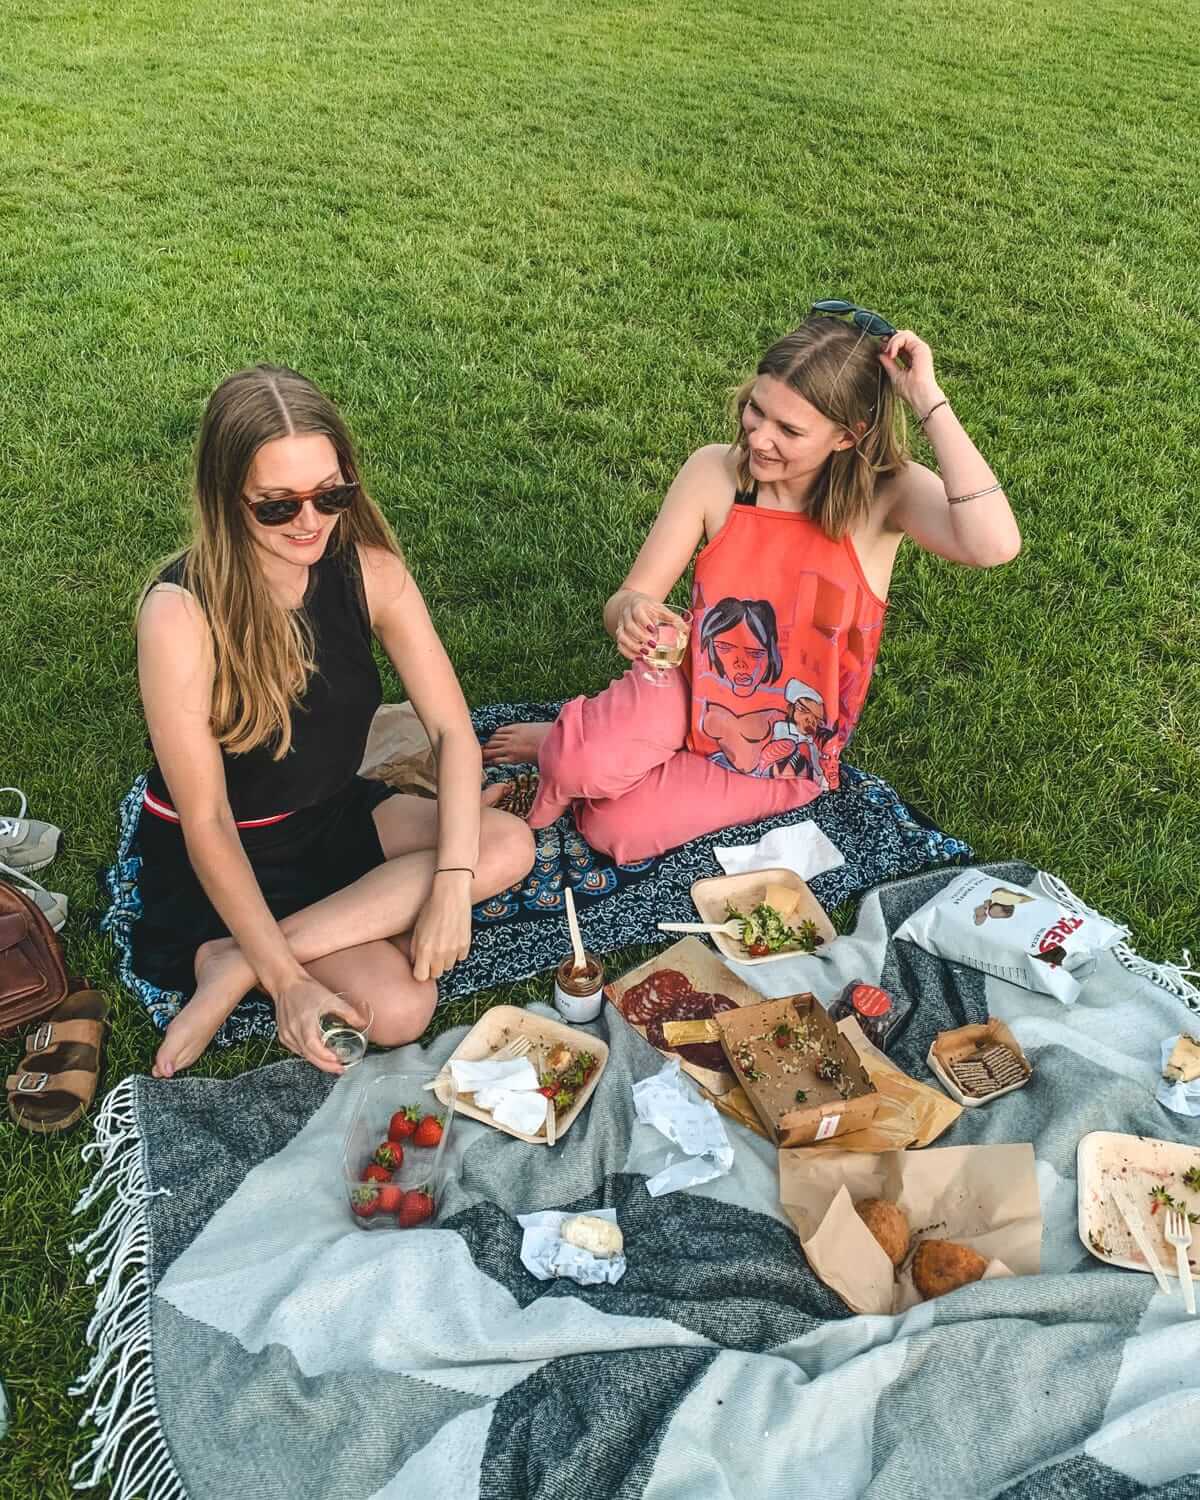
point(33, 977)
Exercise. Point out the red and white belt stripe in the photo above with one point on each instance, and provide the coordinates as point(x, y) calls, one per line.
point(167, 813)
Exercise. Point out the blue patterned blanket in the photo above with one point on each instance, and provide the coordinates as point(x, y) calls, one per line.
point(519, 932)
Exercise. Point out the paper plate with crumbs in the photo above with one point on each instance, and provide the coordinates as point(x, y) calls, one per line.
point(1156, 1174)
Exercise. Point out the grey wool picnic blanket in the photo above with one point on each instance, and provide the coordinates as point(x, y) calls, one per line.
point(251, 1341)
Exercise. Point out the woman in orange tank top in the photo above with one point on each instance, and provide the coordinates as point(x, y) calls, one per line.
point(798, 521)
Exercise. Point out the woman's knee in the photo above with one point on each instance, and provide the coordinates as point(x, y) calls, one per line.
point(403, 1014)
point(506, 850)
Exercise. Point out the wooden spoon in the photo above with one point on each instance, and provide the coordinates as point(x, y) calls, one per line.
point(576, 941)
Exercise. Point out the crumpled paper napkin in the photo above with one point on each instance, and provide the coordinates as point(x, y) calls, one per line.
point(689, 1122)
point(545, 1254)
point(508, 1090)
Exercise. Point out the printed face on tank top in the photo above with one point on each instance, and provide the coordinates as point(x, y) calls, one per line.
point(783, 644)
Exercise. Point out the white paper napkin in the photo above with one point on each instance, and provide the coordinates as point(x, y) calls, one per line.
point(519, 1111)
point(514, 1075)
point(546, 1254)
point(691, 1123)
point(801, 847)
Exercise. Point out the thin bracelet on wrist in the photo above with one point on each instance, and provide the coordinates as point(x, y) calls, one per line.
point(455, 870)
point(974, 495)
point(937, 405)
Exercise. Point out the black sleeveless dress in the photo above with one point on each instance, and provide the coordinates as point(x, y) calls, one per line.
point(327, 841)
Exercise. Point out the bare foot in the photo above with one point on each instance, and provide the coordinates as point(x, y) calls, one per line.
point(221, 981)
point(515, 745)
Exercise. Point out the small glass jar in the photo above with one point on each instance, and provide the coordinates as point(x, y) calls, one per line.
point(579, 997)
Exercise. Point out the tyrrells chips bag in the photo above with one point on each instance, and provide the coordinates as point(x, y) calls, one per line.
point(1012, 933)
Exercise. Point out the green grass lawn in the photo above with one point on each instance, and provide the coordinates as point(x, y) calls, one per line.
point(528, 247)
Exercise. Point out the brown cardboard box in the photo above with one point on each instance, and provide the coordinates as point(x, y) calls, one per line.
point(771, 1075)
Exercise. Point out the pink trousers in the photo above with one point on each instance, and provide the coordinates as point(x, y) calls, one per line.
point(619, 761)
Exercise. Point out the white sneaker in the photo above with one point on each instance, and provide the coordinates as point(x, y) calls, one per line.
point(53, 904)
point(26, 844)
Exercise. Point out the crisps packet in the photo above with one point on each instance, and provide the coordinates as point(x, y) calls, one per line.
point(1013, 933)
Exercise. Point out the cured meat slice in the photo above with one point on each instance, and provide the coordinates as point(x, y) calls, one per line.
point(654, 996)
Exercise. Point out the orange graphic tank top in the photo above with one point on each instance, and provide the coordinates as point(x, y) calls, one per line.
point(785, 633)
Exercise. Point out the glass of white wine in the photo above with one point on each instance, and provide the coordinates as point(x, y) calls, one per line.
point(345, 1034)
point(668, 647)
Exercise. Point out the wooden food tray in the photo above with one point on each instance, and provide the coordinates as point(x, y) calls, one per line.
point(706, 974)
point(711, 895)
point(503, 1024)
point(1139, 1162)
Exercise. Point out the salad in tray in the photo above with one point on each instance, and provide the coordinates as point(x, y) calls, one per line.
point(766, 930)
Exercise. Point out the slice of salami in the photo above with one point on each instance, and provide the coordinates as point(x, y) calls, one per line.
point(654, 996)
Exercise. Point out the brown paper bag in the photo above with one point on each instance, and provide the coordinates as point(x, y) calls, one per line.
point(909, 1113)
point(399, 753)
point(982, 1196)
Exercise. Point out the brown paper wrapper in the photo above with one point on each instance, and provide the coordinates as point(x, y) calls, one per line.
point(398, 751)
point(982, 1196)
point(909, 1113)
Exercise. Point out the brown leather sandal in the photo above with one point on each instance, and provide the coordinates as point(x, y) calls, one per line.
point(519, 795)
point(60, 1071)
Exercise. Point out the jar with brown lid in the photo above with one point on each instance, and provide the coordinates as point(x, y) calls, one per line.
point(579, 997)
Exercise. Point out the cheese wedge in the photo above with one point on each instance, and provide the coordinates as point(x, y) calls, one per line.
point(1183, 1065)
point(685, 1033)
point(783, 898)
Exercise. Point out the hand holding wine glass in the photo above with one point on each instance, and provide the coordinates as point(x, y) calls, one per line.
point(635, 629)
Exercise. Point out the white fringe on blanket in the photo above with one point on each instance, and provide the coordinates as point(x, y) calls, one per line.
point(1174, 978)
point(120, 1377)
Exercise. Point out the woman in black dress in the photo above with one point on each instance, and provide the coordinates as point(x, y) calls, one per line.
point(266, 859)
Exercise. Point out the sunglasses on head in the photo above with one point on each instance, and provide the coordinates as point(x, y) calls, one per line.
point(861, 317)
point(330, 502)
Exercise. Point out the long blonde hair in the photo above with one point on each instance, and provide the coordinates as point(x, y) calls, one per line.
point(263, 653)
point(836, 368)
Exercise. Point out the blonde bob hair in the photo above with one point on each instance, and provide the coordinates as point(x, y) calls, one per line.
point(263, 653)
point(836, 368)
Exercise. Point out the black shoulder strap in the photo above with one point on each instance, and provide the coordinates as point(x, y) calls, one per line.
point(747, 497)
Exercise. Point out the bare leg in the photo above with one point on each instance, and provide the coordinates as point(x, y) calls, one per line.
point(380, 974)
point(382, 904)
point(515, 745)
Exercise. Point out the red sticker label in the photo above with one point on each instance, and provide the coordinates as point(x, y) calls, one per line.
point(868, 1000)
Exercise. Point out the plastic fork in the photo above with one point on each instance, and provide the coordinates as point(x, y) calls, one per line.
point(518, 1047)
point(1179, 1233)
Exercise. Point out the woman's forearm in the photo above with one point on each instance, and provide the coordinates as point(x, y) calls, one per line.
point(979, 510)
point(221, 866)
point(459, 774)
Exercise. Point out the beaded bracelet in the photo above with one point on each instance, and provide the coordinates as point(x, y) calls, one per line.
point(974, 495)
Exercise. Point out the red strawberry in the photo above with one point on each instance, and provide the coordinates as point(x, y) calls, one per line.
point(390, 1199)
point(416, 1207)
point(364, 1200)
point(389, 1155)
point(373, 1172)
point(428, 1132)
point(403, 1123)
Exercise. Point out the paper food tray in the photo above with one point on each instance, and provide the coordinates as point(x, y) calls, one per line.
point(503, 1024)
